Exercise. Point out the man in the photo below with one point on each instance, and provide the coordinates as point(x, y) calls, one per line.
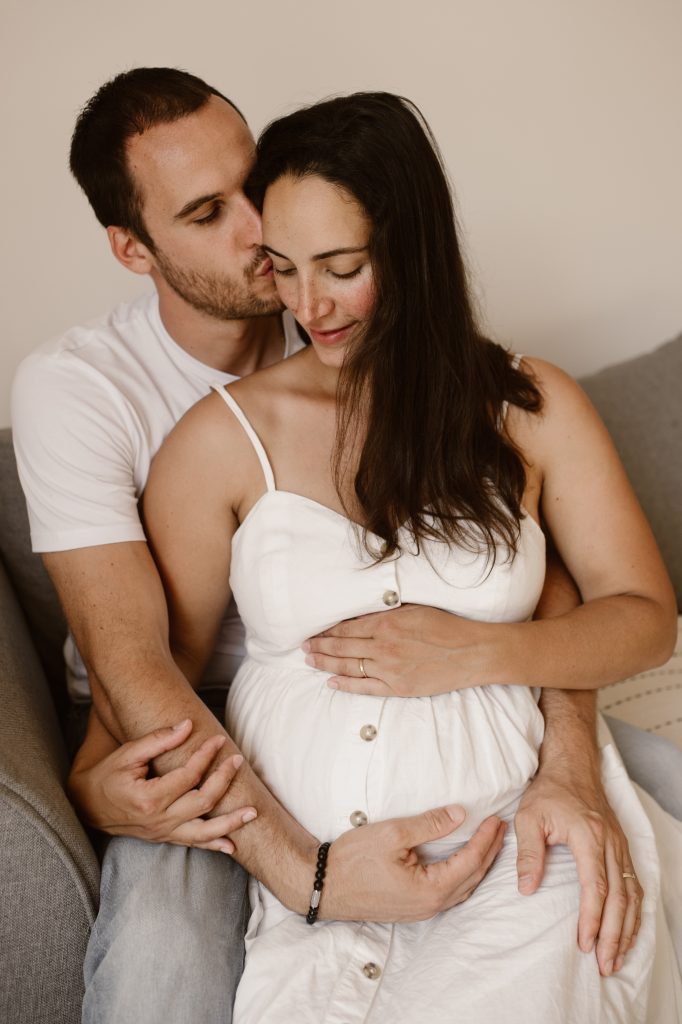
point(163, 159)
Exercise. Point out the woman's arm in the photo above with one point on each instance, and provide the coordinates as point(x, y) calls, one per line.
point(626, 623)
point(628, 618)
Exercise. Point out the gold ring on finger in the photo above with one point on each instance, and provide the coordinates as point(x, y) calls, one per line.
point(629, 874)
point(364, 674)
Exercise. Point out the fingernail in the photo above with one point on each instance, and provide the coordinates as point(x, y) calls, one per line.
point(227, 848)
point(608, 967)
point(309, 660)
point(456, 812)
point(180, 725)
point(619, 962)
point(305, 646)
point(525, 882)
point(237, 760)
point(332, 684)
point(249, 815)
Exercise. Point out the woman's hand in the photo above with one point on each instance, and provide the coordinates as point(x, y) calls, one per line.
point(116, 795)
point(411, 651)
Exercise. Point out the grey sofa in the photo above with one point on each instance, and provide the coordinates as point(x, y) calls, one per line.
point(49, 872)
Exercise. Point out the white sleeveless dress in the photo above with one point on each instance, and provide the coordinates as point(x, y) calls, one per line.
point(338, 760)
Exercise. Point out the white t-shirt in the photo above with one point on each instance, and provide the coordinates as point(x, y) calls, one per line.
point(90, 410)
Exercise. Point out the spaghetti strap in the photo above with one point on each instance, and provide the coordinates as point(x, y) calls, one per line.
point(250, 433)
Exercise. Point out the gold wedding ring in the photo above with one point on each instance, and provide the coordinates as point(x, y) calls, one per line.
point(629, 874)
point(364, 674)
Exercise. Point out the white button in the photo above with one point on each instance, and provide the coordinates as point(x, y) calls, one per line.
point(368, 732)
point(371, 971)
point(390, 598)
point(358, 818)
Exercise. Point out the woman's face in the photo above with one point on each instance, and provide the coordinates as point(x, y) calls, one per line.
point(317, 236)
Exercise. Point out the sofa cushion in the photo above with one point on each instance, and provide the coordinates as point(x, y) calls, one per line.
point(640, 401)
point(651, 700)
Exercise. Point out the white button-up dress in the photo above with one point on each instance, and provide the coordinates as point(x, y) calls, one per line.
point(338, 761)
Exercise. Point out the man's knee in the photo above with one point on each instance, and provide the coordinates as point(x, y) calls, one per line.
point(166, 912)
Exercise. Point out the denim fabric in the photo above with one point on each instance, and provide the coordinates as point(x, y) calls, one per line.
point(653, 762)
point(168, 943)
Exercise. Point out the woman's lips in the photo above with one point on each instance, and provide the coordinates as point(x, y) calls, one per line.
point(330, 337)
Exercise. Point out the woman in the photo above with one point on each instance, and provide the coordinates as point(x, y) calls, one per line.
point(403, 458)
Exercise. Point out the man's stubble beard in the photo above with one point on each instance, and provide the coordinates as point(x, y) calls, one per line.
point(221, 298)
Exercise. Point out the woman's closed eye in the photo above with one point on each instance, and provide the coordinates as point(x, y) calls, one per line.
point(289, 271)
point(347, 276)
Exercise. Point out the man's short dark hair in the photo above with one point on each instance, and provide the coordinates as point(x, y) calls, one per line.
point(128, 105)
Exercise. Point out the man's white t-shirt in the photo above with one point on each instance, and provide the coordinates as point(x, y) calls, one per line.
point(90, 410)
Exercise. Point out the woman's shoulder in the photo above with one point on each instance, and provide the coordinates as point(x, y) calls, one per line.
point(565, 409)
point(561, 393)
point(266, 396)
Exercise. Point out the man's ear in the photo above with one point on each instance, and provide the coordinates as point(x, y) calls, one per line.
point(130, 251)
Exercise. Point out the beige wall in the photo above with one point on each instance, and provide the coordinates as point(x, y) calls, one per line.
point(559, 121)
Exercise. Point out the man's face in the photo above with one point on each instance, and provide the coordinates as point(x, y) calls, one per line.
point(206, 233)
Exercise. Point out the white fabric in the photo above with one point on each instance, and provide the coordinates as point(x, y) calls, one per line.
point(89, 412)
point(297, 568)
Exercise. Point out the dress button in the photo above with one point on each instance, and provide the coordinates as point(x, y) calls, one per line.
point(371, 971)
point(390, 598)
point(368, 732)
point(358, 818)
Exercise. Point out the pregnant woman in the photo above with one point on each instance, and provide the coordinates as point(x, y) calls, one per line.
point(403, 458)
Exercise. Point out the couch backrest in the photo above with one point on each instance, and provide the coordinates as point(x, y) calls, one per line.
point(30, 581)
point(640, 401)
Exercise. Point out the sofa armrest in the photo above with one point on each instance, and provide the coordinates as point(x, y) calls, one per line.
point(49, 874)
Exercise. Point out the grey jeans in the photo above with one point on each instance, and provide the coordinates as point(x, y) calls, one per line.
point(168, 943)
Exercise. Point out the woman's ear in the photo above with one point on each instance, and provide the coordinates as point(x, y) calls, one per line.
point(130, 251)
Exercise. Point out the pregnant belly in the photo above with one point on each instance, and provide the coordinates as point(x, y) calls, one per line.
point(337, 760)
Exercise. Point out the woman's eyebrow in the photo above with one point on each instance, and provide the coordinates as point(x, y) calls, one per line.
point(320, 255)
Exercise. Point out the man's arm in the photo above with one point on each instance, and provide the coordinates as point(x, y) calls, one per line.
point(115, 605)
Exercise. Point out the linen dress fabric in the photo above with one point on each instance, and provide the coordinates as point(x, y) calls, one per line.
point(337, 760)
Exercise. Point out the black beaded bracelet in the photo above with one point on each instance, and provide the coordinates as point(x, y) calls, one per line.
point(320, 870)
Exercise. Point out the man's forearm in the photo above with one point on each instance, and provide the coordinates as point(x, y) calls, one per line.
point(570, 741)
point(274, 848)
point(570, 716)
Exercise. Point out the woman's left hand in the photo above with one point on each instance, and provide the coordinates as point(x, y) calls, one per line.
point(410, 651)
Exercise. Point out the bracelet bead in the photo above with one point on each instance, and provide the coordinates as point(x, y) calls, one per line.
point(320, 872)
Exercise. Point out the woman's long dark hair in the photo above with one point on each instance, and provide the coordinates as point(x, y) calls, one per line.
point(428, 390)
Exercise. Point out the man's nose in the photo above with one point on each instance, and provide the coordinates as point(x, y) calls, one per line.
point(252, 226)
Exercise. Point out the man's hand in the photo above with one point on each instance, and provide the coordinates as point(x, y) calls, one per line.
point(374, 873)
point(411, 651)
point(555, 810)
point(117, 796)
